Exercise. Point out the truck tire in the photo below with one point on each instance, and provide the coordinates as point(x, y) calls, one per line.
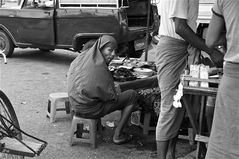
point(6, 44)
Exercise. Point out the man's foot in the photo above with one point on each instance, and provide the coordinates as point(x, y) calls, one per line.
point(122, 139)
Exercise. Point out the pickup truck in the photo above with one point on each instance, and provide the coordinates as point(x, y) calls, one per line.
point(71, 24)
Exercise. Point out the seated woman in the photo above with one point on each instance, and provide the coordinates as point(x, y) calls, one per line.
point(91, 88)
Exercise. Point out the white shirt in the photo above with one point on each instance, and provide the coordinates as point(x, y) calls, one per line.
point(229, 10)
point(184, 9)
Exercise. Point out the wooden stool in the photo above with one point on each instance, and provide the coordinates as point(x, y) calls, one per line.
point(53, 99)
point(77, 130)
point(146, 123)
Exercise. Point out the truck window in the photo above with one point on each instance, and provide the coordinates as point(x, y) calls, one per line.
point(123, 3)
point(9, 3)
point(38, 4)
point(89, 3)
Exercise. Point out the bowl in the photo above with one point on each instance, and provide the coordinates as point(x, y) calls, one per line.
point(143, 71)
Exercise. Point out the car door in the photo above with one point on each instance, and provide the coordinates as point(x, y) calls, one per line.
point(36, 24)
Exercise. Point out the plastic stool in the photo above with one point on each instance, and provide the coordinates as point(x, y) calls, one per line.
point(76, 132)
point(53, 99)
point(146, 124)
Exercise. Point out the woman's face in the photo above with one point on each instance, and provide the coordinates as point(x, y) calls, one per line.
point(108, 52)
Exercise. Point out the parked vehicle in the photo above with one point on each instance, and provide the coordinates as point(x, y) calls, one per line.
point(69, 24)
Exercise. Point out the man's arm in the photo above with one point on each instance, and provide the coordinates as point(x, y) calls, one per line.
point(216, 32)
point(182, 29)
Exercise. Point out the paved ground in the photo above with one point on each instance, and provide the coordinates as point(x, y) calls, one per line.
point(30, 76)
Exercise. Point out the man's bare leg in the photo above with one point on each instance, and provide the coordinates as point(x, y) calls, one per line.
point(172, 148)
point(162, 148)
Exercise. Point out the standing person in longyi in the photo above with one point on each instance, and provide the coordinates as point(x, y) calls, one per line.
point(177, 31)
point(224, 137)
point(91, 88)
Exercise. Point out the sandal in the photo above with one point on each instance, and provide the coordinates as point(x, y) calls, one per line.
point(122, 139)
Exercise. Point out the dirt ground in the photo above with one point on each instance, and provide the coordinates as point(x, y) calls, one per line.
point(30, 76)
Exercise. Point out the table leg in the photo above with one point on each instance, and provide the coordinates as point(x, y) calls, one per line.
point(190, 113)
point(201, 148)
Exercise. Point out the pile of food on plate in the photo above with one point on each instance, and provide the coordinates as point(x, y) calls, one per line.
point(123, 74)
point(126, 69)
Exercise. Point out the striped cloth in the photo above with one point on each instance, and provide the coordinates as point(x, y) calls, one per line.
point(171, 60)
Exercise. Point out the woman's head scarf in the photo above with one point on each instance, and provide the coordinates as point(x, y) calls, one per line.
point(105, 39)
point(89, 80)
point(102, 41)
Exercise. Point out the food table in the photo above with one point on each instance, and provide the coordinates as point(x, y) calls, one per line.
point(198, 125)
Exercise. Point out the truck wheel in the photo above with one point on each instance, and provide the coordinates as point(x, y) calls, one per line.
point(6, 44)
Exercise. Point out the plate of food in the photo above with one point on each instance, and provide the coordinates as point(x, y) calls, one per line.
point(123, 74)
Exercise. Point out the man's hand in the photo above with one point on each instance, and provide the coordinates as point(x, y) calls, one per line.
point(217, 58)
